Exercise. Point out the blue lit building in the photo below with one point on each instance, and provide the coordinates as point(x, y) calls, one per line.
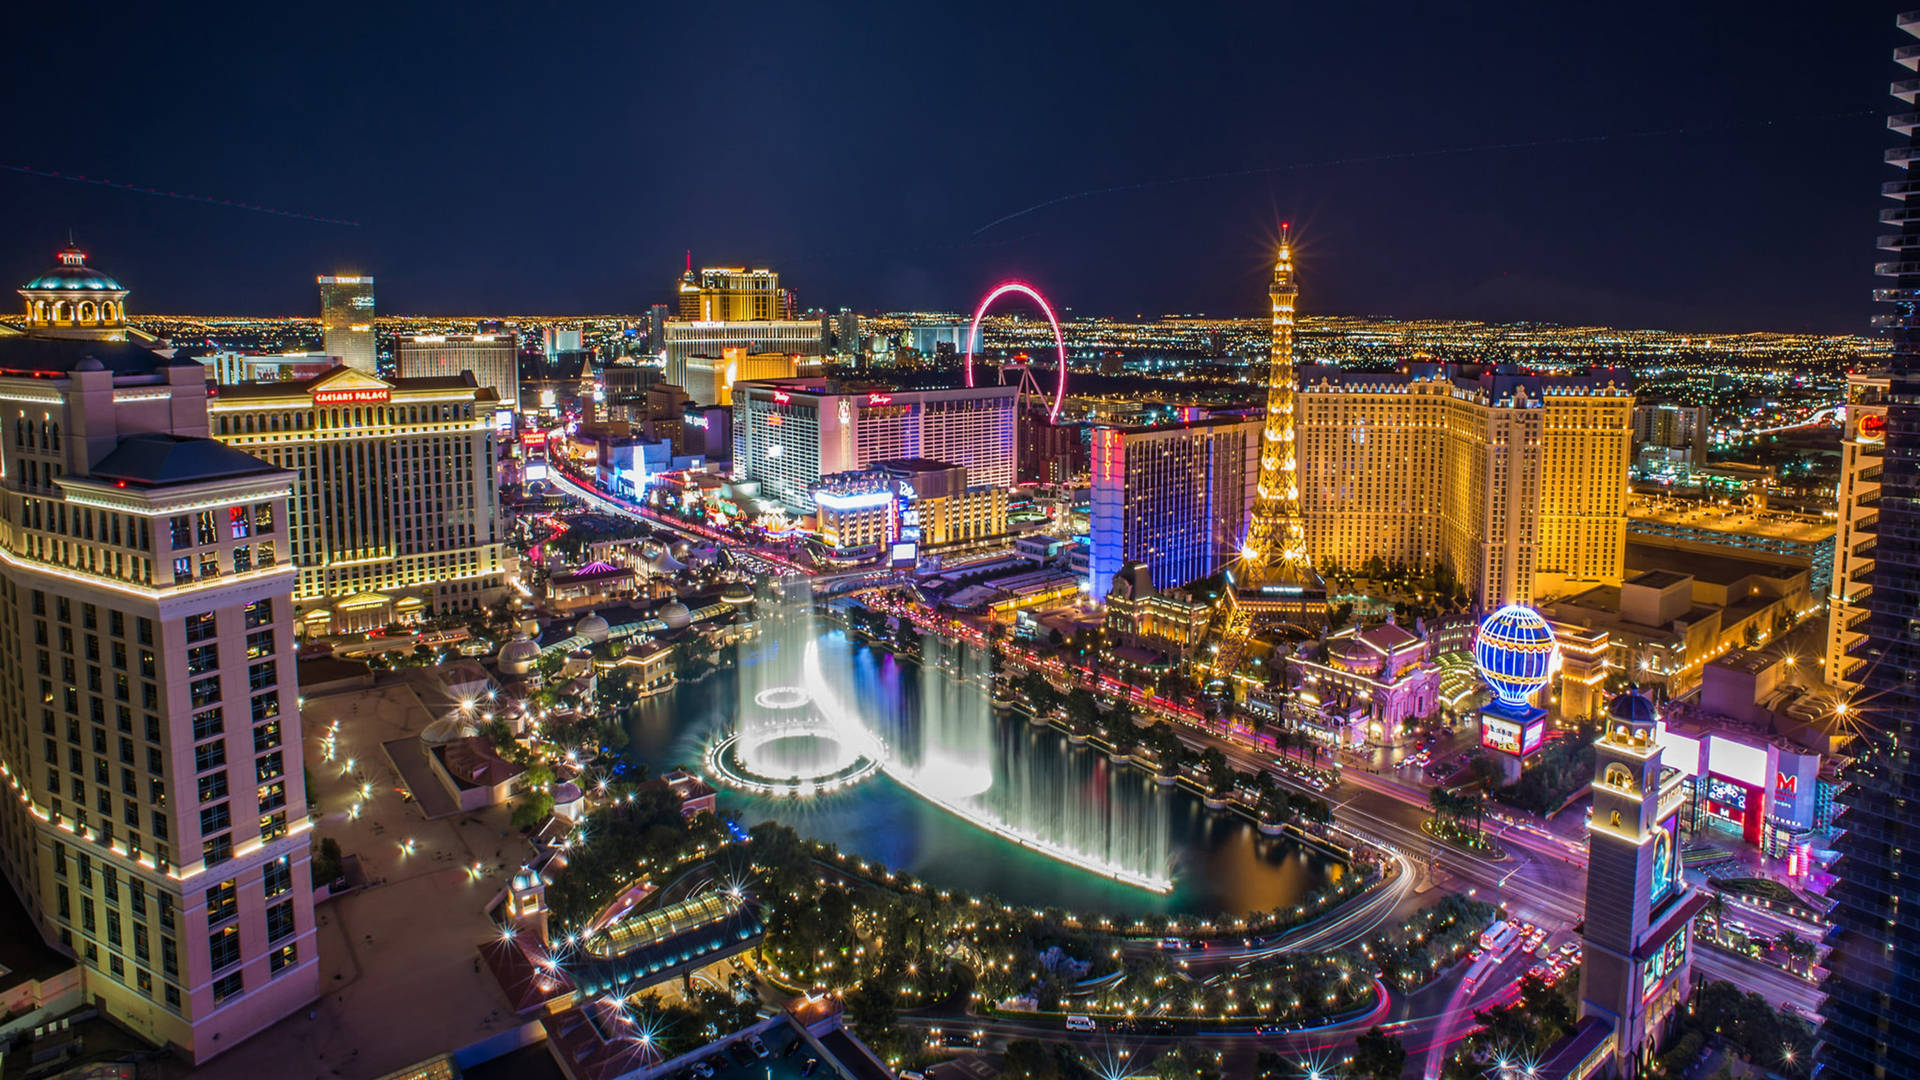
point(1175, 498)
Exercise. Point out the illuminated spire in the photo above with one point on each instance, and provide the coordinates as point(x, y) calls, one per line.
point(1277, 536)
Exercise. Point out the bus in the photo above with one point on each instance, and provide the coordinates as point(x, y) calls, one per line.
point(1081, 1023)
point(1496, 938)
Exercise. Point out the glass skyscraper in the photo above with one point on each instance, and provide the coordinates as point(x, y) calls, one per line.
point(1873, 991)
point(346, 320)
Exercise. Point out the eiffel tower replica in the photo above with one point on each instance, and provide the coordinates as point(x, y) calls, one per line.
point(1273, 584)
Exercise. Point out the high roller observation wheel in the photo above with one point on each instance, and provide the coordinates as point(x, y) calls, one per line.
point(1059, 339)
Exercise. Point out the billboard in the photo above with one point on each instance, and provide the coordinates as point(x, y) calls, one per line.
point(1507, 736)
point(1533, 736)
point(905, 554)
point(1738, 761)
point(1499, 734)
point(1679, 751)
point(1666, 862)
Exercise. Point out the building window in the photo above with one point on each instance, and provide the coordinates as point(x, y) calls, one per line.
point(209, 756)
point(282, 958)
point(280, 920)
point(223, 901)
point(215, 818)
point(204, 692)
point(259, 613)
point(273, 826)
point(226, 987)
point(217, 850)
point(208, 724)
point(276, 877)
point(202, 659)
point(201, 627)
point(182, 529)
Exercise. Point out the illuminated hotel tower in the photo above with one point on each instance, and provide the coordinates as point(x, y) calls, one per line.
point(1639, 926)
point(1275, 577)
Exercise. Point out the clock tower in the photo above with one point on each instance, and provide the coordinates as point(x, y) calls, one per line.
point(1637, 945)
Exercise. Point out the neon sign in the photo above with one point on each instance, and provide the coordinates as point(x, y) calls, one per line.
point(1873, 427)
point(879, 399)
point(365, 394)
point(782, 396)
point(1788, 784)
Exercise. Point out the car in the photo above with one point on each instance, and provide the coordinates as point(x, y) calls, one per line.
point(812, 1064)
point(1129, 1026)
point(759, 1048)
point(742, 1054)
point(704, 1069)
point(1269, 1029)
point(793, 1048)
point(1570, 948)
point(1163, 1027)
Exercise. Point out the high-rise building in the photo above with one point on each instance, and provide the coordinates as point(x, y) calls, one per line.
point(1670, 425)
point(927, 504)
point(1050, 453)
point(1637, 940)
point(1275, 575)
point(154, 819)
point(346, 320)
point(685, 342)
point(1176, 498)
point(494, 360)
point(396, 509)
point(1873, 989)
point(1862, 455)
point(789, 433)
point(1517, 482)
point(731, 294)
point(709, 379)
point(846, 333)
point(722, 308)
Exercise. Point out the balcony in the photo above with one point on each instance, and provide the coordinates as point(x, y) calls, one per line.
point(1869, 525)
point(1862, 576)
point(1905, 89)
point(1896, 269)
point(1904, 123)
point(1908, 21)
point(1871, 474)
point(1908, 56)
point(1900, 189)
point(1857, 621)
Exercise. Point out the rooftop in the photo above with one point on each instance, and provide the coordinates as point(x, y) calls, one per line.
point(1715, 569)
point(27, 354)
point(1657, 579)
point(154, 459)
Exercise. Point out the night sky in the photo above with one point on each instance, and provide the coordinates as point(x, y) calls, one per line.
point(547, 158)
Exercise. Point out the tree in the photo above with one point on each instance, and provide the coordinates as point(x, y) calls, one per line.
point(1214, 763)
point(1339, 616)
point(1378, 1055)
point(1082, 711)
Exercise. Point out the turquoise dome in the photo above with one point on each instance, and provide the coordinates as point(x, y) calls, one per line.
point(74, 273)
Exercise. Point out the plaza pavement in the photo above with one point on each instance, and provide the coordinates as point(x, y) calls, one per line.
point(399, 971)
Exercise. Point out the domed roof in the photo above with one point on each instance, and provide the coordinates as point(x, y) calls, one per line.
point(519, 654)
point(675, 615)
point(593, 627)
point(738, 592)
point(1633, 707)
point(74, 273)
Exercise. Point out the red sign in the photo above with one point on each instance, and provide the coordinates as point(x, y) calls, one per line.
point(341, 397)
point(534, 438)
point(782, 396)
point(1787, 784)
point(879, 399)
point(1873, 426)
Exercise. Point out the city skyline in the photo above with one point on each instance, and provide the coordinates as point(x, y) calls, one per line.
point(1418, 186)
